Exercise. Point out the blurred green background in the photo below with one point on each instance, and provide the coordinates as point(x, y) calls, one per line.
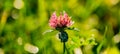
point(24, 27)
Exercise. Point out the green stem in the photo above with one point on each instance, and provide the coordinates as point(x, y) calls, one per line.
point(103, 41)
point(64, 47)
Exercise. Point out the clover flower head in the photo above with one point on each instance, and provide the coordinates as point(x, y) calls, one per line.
point(61, 21)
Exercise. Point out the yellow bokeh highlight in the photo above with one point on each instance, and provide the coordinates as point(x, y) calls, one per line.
point(18, 4)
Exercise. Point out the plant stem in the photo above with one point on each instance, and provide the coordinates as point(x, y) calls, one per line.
point(64, 47)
